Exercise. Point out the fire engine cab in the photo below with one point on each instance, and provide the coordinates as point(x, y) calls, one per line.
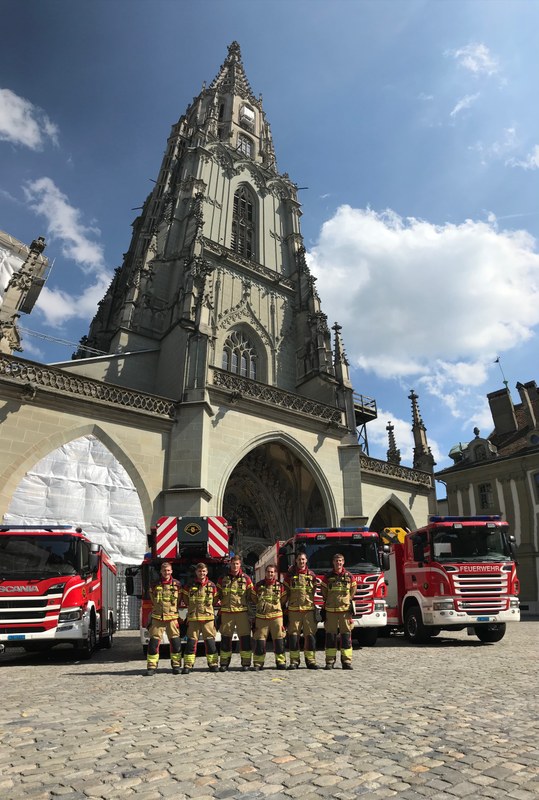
point(365, 557)
point(182, 541)
point(56, 586)
point(453, 574)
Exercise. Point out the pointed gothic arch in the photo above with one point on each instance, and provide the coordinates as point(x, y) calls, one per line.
point(243, 353)
point(83, 483)
point(392, 513)
point(244, 228)
point(24, 463)
point(272, 487)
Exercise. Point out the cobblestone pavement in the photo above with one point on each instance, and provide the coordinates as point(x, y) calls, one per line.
point(451, 719)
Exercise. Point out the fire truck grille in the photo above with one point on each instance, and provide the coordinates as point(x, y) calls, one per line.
point(25, 629)
point(23, 604)
point(481, 593)
point(363, 599)
point(6, 616)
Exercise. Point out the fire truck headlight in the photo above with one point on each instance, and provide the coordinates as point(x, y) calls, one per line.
point(69, 616)
point(514, 603)
point(379, 606)
point(443, 605)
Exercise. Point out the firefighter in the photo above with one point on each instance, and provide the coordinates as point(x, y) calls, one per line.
point(300, 584)
point(269, 595)
point(165, 596)
point(200, 597)
point(338, 590)
point(233, 591)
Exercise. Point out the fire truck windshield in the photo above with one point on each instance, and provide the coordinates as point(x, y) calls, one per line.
point(33, 556)
point(360, 555)
point(471, 543)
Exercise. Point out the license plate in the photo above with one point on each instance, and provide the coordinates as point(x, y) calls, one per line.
point(16, 637)
point(483, 619)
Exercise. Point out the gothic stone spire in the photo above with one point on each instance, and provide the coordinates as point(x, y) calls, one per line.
point(393, 454)
point(423, 458)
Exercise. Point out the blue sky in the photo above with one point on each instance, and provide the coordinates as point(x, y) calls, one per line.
point(413, 123)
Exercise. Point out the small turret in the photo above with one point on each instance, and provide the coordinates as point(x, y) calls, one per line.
point(423, 458)
point(393, 454)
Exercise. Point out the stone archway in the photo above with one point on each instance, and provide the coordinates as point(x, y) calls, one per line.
point(83, 483)
point(391, 515)
point(268, 495)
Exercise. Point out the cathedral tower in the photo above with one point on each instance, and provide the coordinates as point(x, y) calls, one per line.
point(215, 278)
point(214, 307)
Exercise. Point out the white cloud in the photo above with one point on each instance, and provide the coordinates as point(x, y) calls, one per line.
point(58, 306)
point(64, 223)
point(463, 103)
point(530, 162)
point(432, 303)
point(476, 58)
point(78, 243)
point(499, 148)
point(21, 122)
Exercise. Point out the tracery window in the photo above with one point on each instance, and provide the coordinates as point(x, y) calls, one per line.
point(243, 226)
point(239, 356)
point(486, 497)
point(245, 145)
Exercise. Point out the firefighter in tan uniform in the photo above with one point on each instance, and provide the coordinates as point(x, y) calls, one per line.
point(300, 584)
point(338, 590)
point(233, 591)
point(200, 597)
point(165, 597)
point(269, 595)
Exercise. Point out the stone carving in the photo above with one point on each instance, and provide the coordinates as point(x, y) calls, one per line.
point(372, 465)
point(24, 372)
point(273, 396)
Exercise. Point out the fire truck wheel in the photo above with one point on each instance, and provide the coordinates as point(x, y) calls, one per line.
point(414, 630)
point(367, 637)
point(88, 646)
point(490, 633)
point(108, 639)
point(145, 650)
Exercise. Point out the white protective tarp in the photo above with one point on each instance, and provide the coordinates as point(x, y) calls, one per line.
point(9, 263)
point(83, 484)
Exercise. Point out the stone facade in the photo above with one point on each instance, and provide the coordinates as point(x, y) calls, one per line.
point(221, 388)
point(499, 474)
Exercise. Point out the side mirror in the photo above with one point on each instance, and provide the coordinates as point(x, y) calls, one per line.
point(385, 561)
point(419, 552)
point(283, 563)
point(93, 562)
point(513, 546)
point(130, 574)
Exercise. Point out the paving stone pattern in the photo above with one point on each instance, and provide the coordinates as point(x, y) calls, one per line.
point(452, 719)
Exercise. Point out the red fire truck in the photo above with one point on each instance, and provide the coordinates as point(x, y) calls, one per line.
point(455, 573)
point(56, 586)
point(183, 541)
point(365, 557)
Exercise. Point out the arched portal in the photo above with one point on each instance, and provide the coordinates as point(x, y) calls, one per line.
point(269, 493)
point(83, 483)
point(393, 514)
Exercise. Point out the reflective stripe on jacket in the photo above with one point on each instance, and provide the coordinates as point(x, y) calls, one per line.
point(200, 599)
point(165, 599)
point(232, 591)
point(338, 590)
point(268, 599)
point(300, 589)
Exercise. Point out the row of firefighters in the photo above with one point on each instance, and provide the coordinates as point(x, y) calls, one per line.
point(270, 606)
